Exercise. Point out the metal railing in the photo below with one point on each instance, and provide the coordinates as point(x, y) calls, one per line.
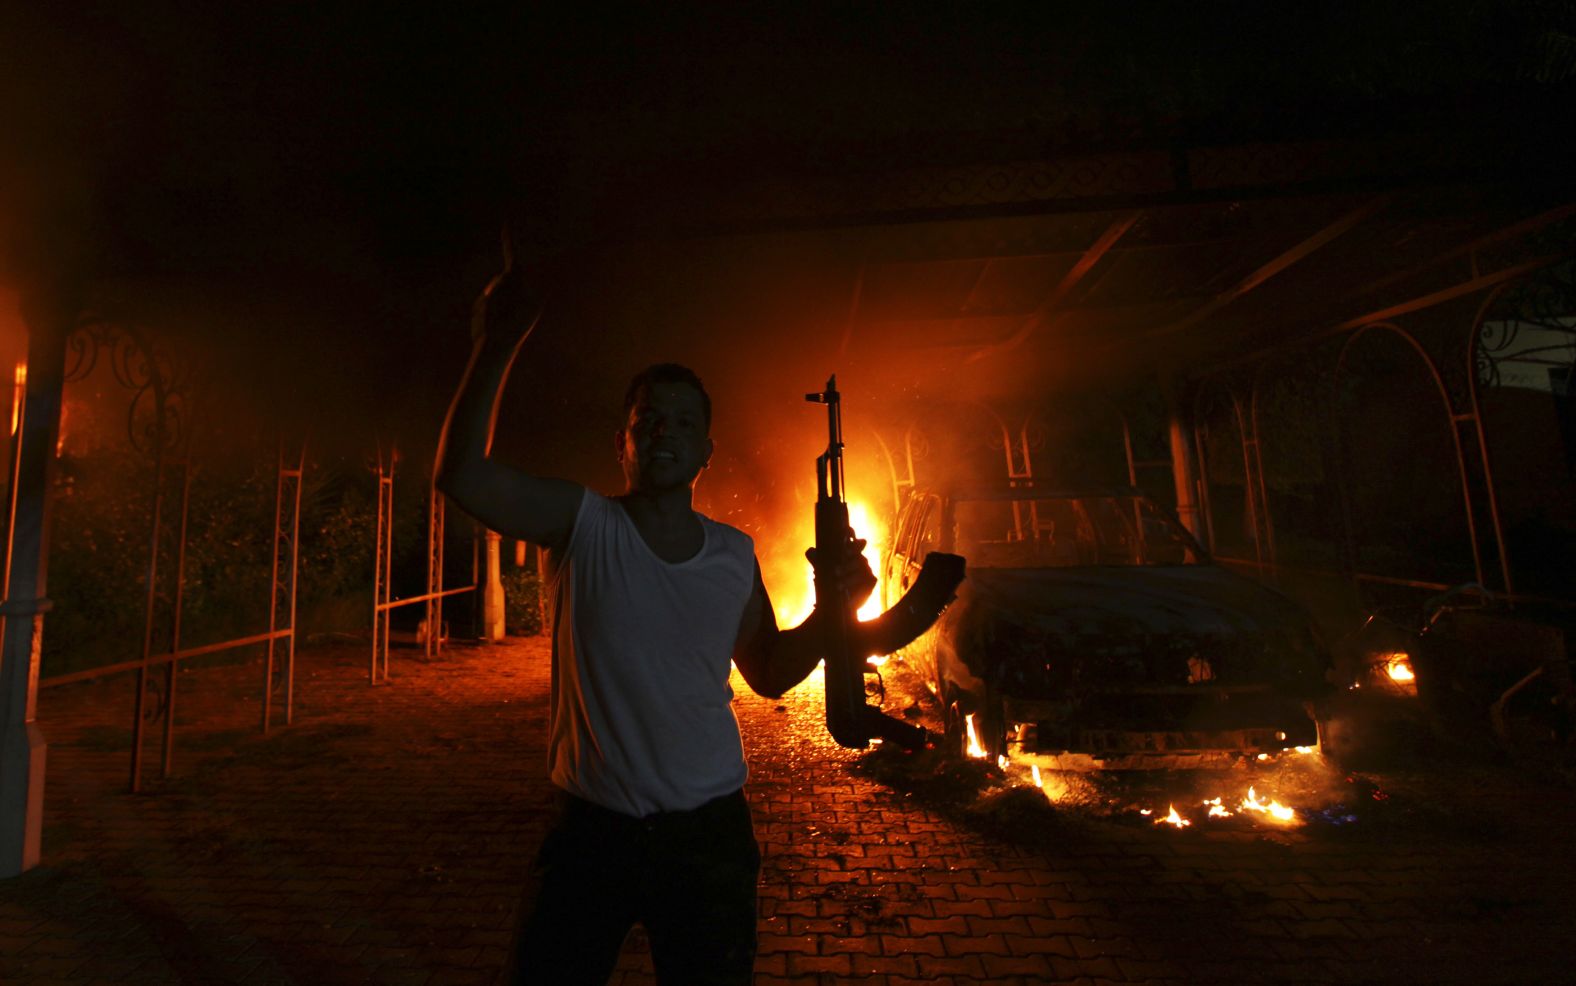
point(383, 601)
point(156, 699)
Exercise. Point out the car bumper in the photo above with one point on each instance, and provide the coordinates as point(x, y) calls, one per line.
point(1159, 728)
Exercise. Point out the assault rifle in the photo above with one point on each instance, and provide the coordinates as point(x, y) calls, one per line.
point(849, 643)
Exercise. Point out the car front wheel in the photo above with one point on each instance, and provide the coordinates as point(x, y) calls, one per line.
point(989, 721)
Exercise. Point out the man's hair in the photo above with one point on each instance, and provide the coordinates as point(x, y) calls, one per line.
point(665, 373)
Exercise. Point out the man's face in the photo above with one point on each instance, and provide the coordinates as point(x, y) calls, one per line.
point(664, 444)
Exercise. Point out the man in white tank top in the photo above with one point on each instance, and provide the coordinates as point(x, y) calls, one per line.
point(652, 603)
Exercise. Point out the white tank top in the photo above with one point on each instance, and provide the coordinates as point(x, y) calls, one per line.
point(641, 717)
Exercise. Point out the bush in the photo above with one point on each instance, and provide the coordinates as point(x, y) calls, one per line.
point(98, 564)
point(522, 611)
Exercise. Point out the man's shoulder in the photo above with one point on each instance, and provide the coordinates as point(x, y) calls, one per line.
point(590, 516)
point(727, 532)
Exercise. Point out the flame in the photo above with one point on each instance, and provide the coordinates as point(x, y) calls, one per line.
point(1053, 787)
point(1272, 809)
point(1398, 666)
point(975, 750)
point(16, 395)
point(792, 583)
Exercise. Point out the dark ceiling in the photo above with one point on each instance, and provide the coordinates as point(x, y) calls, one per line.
point(215, 134)
point(960, 201)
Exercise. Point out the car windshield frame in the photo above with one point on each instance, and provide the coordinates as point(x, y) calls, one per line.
point(1046, 529)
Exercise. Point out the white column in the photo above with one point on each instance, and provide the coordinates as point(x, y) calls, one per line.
point(492, 597)
point(22, 745)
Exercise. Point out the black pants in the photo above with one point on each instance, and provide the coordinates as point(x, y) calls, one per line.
point(688, 876)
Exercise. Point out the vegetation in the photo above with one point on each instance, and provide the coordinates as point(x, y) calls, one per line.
point(100, 540)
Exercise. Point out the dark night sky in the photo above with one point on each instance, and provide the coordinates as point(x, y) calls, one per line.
point(319, 186)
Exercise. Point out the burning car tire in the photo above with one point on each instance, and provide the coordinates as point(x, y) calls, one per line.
point(974, 726)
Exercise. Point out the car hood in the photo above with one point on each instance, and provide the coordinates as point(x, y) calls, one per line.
point(1191, 599)
point(1040, 630)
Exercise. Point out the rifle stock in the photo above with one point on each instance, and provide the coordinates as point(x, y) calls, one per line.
point(848, 643)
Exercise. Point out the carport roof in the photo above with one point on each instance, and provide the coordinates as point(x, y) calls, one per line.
point(1104, 264)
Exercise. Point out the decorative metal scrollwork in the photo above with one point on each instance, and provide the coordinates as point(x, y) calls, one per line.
point(1533, 321)
point(156, 419)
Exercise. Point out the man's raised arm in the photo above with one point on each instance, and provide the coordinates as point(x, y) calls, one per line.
point(504, 498)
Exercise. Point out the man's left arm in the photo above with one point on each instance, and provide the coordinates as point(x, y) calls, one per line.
point(770, 659)
point(773, 660)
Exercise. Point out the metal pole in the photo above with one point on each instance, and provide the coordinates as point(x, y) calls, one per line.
point(435, 534)
point(1489, 486)
point(273, 581)
point(1249, 499)
point(377, 572)
point(430, 606)
point(175, 623)
point(1200, 449)
point(1127, 449)
point(140, 706)
point(1266, 520)
point(388, 560)
point(380, 566)
point(295, 564)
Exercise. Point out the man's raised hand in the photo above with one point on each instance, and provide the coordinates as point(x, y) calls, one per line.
point(508, 306)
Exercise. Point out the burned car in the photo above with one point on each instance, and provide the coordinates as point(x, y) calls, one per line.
point(1094, 631)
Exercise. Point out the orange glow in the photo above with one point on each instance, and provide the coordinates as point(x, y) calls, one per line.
point(16, 395)
point(1399, 667)
point(792, 583)
point(1172, 818)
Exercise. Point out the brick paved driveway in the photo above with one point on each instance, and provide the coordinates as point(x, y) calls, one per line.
point(382, 838)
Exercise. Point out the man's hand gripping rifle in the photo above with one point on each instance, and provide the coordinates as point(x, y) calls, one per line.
point(849, 643)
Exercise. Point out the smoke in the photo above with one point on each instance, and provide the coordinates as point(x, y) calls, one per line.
point(765, 320)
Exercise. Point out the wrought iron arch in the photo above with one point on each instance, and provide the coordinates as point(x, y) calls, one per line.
point(1450, 413)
